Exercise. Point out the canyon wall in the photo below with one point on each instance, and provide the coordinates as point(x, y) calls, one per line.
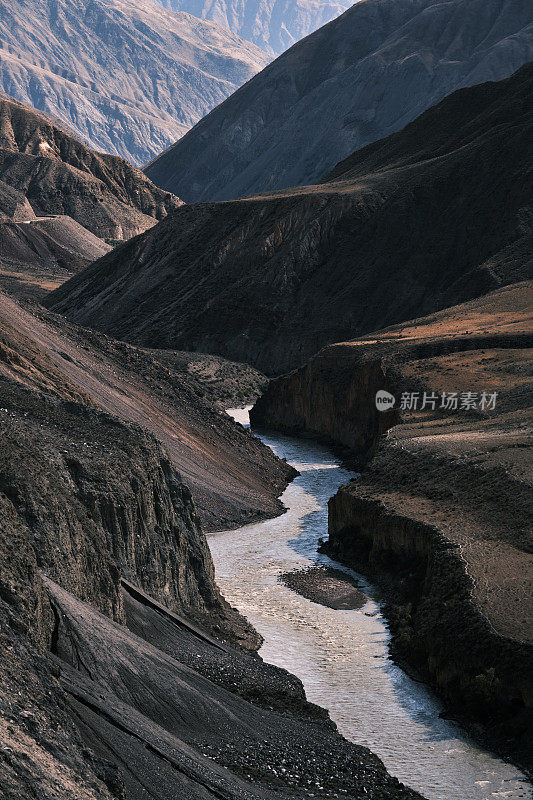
point(440, 515)
point(120, 668)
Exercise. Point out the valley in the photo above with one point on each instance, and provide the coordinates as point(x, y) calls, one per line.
point(343, 656)
point(266, 328)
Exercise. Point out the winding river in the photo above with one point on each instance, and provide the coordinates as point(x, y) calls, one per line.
point(342, 656)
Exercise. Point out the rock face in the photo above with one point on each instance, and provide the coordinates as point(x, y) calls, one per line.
point(97, 498)
point(234, 478)
point(128, 77)
point(441, 513)
point(433, 215)
point(354, 81)
point(273, 26)
point(84, 498)
point(58, 175)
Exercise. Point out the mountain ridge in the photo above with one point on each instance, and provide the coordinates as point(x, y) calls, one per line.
point(128, 77)
point(274, 25)
point(357, 79)
point(272, 279)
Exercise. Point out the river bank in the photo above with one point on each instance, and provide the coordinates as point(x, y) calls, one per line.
point(342, 656)
point(442, 509)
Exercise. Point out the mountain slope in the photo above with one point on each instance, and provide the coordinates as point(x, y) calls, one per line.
point(57, 174)
point(233, 477)
point(273, 25)
point(359, 78)
point(39, 255)
point(433, 215)
point(128, 77)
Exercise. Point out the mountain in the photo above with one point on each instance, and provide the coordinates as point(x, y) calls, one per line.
point(40, 254)
point(273, 25)
point(52, 173)
point(127, 77)
point(430, 216)
point(361, 77)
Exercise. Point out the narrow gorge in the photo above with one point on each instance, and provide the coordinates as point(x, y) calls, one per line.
point(428, 518)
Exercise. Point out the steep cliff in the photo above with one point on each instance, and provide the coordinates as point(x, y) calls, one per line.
point(359, 78)
point(127, 77)
point(435, 214)
point(98, 498)
point(83, 498)
point(441, 513)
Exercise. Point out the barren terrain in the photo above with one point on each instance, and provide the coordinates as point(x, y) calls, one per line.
point(431, 216)
point(442, 511)
point(233, 477)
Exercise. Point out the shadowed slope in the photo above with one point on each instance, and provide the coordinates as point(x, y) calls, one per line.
point(435, 214)
point(359, 78)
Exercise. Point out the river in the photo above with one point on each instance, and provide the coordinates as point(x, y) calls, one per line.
point(342, 657)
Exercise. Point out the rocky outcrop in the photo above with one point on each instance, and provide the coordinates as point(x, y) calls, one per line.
point(404, 227)
point(338, 378)
point(98, 498)
point(273, 26)
point(441, 513)
point(59, 175)
point(333, 396)
point(127, 77)
point(226, 384)
point(361, 77)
